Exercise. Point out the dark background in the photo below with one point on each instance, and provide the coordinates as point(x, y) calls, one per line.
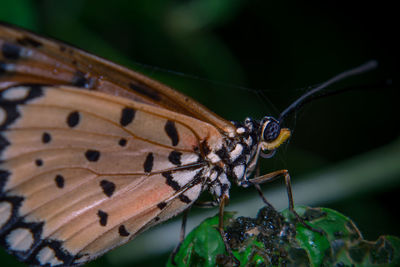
point(253, 58)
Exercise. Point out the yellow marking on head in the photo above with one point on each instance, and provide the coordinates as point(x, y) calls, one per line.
point(282, 137)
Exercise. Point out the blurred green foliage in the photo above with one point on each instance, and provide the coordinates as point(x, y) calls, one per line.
point(252, 58)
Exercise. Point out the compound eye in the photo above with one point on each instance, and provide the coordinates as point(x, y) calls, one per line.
point(271, 131)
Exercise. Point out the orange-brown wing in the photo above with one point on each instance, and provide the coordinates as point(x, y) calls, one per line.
point(82, 171)
point(28, 58)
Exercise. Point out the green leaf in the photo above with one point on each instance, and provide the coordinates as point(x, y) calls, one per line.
point(275, 239)
point(202, 245)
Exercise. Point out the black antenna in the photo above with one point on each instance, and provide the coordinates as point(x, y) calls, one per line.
point(370, 65)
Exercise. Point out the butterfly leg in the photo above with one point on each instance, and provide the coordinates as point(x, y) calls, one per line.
point(224, 200)
point(269, 177)
point(258, 188)
point(260, 193)
point(181, 236)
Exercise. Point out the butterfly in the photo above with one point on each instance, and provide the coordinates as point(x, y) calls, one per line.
point(92, 153)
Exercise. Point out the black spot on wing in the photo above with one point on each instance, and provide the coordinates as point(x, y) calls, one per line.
point(73, 119)
point(146, 91)
point(175, 157)
point(103, 217)
point(172, 132)
point(11, 51)
point(59, 179)
point(184, 199)
point(46, 138)
point(28, 41)
point(92, 155)
point(108, 187)
point(161, 205)
point(148, 163)
point(127, 116)
point(39, 162)
point(170, 181)
point(122, 231)
point(122, 142)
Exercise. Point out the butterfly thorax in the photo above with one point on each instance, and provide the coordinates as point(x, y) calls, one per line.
point(233, 159)
point(238, 156)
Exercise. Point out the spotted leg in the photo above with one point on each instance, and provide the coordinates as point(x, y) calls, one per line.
point(269, 177)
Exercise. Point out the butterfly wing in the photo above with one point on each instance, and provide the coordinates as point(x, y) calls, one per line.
point(82, 171)
point(29, 58)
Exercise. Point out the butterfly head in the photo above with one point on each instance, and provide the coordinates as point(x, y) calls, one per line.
point(272, 135)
